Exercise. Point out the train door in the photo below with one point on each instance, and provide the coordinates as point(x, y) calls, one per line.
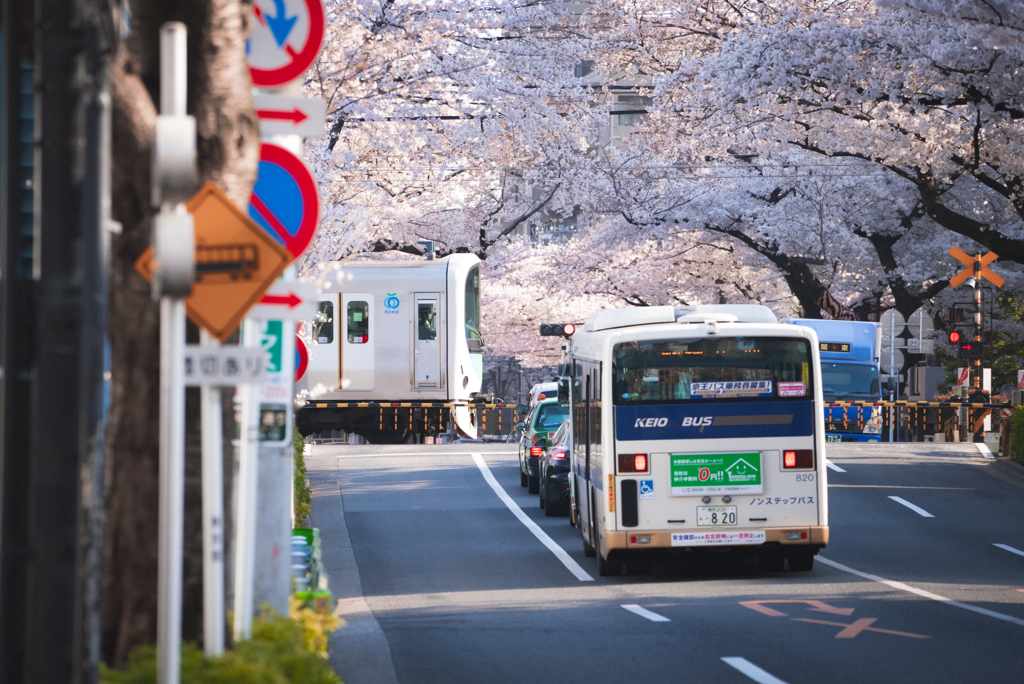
point(357, 342)
point(427, 346)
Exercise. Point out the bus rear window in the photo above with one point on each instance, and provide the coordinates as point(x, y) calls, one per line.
point(712, 369)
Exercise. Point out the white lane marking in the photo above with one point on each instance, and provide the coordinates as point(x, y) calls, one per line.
point(1004, 547)
point(416, 454)
point(753, 671)
point(833, 466)
point(644, 613)
point(540, 534)
point(917, 509)
point(921, 592)
point(985, 451)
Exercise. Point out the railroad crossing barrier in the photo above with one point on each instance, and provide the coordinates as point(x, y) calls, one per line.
point(923, 417)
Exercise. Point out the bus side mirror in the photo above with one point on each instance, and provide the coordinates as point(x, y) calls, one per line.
point(563, 390)
point(520, 425)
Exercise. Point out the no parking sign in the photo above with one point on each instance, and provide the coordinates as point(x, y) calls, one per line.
point(284, 200)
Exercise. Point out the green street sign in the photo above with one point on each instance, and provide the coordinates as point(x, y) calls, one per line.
point(271, 341)
point(698, 474)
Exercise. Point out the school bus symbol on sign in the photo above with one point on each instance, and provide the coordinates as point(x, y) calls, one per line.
point(236, 262)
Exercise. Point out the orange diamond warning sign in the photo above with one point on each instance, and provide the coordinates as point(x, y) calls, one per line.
point(236, 262)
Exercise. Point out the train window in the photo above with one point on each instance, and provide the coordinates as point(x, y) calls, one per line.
point(427, 321)
point(358, 322)
point(473, 337)
point(323, 325)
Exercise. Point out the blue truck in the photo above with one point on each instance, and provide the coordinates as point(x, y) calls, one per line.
point(849, 372)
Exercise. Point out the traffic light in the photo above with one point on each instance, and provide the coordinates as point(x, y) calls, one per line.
point(565, 330)
point(954, 337)
point(970, 350)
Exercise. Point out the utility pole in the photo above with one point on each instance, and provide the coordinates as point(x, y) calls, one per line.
point(53, 313)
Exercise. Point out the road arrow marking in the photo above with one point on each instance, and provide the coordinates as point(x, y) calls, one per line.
point(861, 625)
point(817, 606)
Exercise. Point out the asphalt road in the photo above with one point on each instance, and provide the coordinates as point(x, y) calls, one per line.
point(442, 581)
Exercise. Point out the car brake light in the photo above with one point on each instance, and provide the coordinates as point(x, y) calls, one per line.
point(632, 463)
point(798, 458)
point(536, 451)
point(558, 453)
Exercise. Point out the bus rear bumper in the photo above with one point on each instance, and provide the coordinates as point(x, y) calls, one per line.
point(635, 539)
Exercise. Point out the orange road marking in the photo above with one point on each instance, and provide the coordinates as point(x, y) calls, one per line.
point(861, 625)
point(817, 606)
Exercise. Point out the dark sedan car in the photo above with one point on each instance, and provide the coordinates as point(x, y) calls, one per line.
point(554, 473)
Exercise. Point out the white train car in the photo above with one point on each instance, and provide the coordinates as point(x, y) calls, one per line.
point(396, 349)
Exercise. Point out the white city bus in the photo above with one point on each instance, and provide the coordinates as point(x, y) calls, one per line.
point(697, 427)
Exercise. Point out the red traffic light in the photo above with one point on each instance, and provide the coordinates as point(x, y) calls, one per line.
point(568, 329)
point(954, 337)
point(557, 330)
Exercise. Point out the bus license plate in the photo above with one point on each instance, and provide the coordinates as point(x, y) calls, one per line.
point(716, 516)
point(833, 438)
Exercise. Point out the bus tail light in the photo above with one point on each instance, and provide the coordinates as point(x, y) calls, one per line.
point(633, 463)
point(798, 459)
point(536, 452)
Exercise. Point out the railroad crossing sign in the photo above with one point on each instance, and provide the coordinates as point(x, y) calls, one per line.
point(284, 200)
point(223, 365)
point(285, 40)
point(236, 261)
point(976, 266)
point(290, 115)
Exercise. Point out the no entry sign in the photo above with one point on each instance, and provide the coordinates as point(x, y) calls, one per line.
point(284, 200)
point(285, 40)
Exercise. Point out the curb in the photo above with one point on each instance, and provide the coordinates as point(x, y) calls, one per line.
point(1009, 470)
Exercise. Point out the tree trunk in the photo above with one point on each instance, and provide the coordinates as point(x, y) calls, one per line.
point(219, 96)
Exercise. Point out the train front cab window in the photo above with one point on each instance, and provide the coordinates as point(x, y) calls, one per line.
point(473, 337)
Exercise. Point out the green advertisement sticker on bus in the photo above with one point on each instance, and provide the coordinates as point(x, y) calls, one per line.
point(697, 474)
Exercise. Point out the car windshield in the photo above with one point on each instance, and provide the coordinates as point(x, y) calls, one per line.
point(550, 416)
point(712, 369)
point(842, 380)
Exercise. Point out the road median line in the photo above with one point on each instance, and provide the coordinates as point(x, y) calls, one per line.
point(540, 534)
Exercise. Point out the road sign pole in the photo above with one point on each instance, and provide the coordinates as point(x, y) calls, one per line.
point(172, 489)
point(248, 481)
point(173, 176)
point(213, 512)
point(892, 369)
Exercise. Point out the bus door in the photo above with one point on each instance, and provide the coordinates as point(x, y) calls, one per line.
point(427, 346)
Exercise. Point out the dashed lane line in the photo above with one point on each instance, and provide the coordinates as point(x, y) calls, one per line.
point(921, 592)
point(540, 534)
point(1004, 547)
point(644, 613)
point(753, 671)
point(833, 466)
point(917, 509)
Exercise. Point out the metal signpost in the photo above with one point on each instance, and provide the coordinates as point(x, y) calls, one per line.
point(286, 205)
point(173, 242)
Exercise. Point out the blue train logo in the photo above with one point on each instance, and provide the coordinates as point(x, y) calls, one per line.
point(391, 301)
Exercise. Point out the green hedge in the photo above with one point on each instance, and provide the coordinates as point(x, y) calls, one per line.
point(303, 495)
point(280, 651)
point(1017, 435)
